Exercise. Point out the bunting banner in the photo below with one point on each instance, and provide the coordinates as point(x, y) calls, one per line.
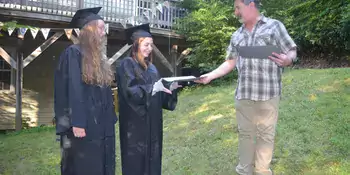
point(123, 23)
point(68, 32)
point(160, 7)
point(45, 32)
point(107, 28)
point(166, 4)
point(10, 30)
point(22, 32)
point(77, 31)
point(34, 32)
point(146, 13)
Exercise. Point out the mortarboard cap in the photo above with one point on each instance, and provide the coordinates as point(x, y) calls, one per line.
point(134, 33)
point(84, 16)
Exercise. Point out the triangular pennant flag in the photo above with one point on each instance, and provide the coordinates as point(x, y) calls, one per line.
point(166, 4)
point(160, 7)
point(45, 32)
point(77, 31)
point(22, 32)
point(123, 22)
point(154, 12)
point(10, 30)
point(146, 13)
point(107, 28)
point(68, 32)
point(34, 32)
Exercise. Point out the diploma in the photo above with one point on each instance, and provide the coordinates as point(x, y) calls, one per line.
point(261, 52)
point(181, 78)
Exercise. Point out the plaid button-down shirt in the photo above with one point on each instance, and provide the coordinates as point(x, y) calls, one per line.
point(259, 79)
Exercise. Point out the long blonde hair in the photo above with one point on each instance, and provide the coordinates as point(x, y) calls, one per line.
point(95, 68)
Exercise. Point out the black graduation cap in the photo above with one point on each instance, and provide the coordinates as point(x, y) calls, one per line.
point(134, 33)
point(83, 16)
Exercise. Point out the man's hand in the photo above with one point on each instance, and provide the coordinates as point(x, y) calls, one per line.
point(222, 70)
point(281, 59)
point(79, 132)
point(204, 79)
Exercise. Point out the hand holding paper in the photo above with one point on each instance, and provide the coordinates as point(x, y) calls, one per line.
point(174, 85)
point(204, 79)
point(280, 59)
point(158, 86)
point(181, 78)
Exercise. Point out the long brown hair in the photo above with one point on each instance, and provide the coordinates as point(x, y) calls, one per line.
point(136, 54)
point(95, 68)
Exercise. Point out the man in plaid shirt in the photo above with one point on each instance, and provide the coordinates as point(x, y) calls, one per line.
point(259, 84)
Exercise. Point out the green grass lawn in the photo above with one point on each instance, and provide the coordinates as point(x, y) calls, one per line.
point(200, 137)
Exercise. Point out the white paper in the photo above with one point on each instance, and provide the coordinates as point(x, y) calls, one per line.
point(182, 78)
point(158, 86)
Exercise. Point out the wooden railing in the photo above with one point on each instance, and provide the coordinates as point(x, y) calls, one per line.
point(116, 11)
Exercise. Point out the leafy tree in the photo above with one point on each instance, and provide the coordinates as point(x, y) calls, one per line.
point(317, 26)
point(210, 25)
point(320, 25)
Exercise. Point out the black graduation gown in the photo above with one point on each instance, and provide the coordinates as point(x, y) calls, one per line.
point(85, 106)
point(140, 118)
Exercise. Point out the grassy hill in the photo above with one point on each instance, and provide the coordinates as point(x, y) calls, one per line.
point(200, 137)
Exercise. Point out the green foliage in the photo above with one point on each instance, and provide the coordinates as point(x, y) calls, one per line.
point(317, 26)
point(320, 25)
point(12, 24)
point(345, 22)
point(209, 28)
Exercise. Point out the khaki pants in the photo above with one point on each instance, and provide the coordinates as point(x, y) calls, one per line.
point(256, 125)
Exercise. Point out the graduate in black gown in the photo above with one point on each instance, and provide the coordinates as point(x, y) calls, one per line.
point(84, 110)
point(142, 95)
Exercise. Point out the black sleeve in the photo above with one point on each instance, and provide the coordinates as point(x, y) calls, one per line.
point(130, 87)
point(61, 105)
point(76, 89)
point(169, 101)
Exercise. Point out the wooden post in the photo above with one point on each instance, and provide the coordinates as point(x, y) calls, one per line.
point(19, 81)
point(163, 60)
point(174, 59)
point(41, 48)
point(117, 55)
point(183, 56)
point(13, 79)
